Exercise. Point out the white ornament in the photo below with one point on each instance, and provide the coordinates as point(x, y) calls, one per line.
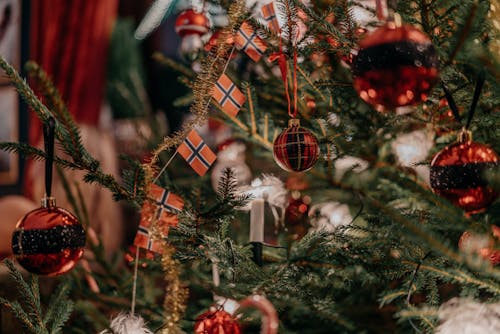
point(465, 316)
point(126, 323)
point(329, 216)
point(413, 147)
point(346, 163)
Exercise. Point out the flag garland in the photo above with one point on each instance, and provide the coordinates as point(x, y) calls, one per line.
point(161, 210)
point(196, 153)
point(269, 16)
point(228, 95)
point(248, 40)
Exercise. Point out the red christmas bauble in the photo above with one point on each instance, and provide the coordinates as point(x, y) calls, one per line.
point(295, 149)
point(296, 215)
point(216, 322)
point(190, 22)
point(395, 67)
point(457, 174)
point(48, 241)
point(469, 242)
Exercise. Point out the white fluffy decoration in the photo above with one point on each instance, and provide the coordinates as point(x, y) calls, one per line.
point(328, 216)
point(268, 187)
point(413, 147)
point(346, 163)
point(126, 323)
point(465, 316)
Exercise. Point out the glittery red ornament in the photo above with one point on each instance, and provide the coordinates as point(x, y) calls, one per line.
point(216, 322)
point(470, 242)
point(48, 240)
point(296, 215)
point(190, 26)
point(457, 174)
point(395, 66)
point(295, 148)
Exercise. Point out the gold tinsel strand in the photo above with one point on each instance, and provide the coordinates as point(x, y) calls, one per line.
point(212, 68)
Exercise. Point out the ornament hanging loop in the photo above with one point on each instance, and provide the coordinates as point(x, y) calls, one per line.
point(475, 98)
point(464, 136)
point(48, 138)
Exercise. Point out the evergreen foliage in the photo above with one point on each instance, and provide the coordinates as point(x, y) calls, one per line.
point(387, 271)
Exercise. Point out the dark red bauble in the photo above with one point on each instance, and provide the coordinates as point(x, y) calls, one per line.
point(457, 174)
point(395, 66)
point(296, 216)
point(190, 22)
point(216, 322)
point(295, 149)
point(48, 241)
point(469, 243)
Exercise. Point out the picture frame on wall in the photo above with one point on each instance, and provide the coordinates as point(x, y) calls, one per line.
point(14, 42)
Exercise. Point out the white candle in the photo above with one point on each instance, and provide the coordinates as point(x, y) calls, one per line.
point(257, 220)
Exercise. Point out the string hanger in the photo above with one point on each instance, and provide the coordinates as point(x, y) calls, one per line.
point(475, 100)
point(48, 139)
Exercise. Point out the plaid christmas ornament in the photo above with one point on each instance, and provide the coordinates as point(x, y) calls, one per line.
point(296, 148)
point(270, 18)
point(196, 153)
point(247, 40)
point(228, 95)
point(162, 211)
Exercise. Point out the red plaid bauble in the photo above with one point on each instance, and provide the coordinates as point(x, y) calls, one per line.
point(216, 322)
point(457, 173)
point(295, 149)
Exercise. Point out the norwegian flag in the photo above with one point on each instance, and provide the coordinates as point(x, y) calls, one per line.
point(228, 95)
point(247, 40)
point(196, 153)
point(270, 18)
point(162, 210)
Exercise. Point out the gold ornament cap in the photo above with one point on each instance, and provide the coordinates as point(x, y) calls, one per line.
point(48, 202)
point(293, 122)
point(464, 136)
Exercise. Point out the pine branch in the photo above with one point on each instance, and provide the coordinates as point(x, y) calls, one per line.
point(32, 318)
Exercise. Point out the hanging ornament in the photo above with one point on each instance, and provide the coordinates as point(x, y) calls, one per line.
point(48, 240)
point(216, 322)
point(457, 173)
point(296, 215)
point(396, 66)
point(232, 156)
point(126, 323)
point(295, 149)
point(482, 245)
point(190, 26)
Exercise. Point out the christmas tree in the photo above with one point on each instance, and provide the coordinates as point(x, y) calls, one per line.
point(353, 188)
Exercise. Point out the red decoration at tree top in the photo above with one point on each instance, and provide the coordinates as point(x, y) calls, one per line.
point(190, 22)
